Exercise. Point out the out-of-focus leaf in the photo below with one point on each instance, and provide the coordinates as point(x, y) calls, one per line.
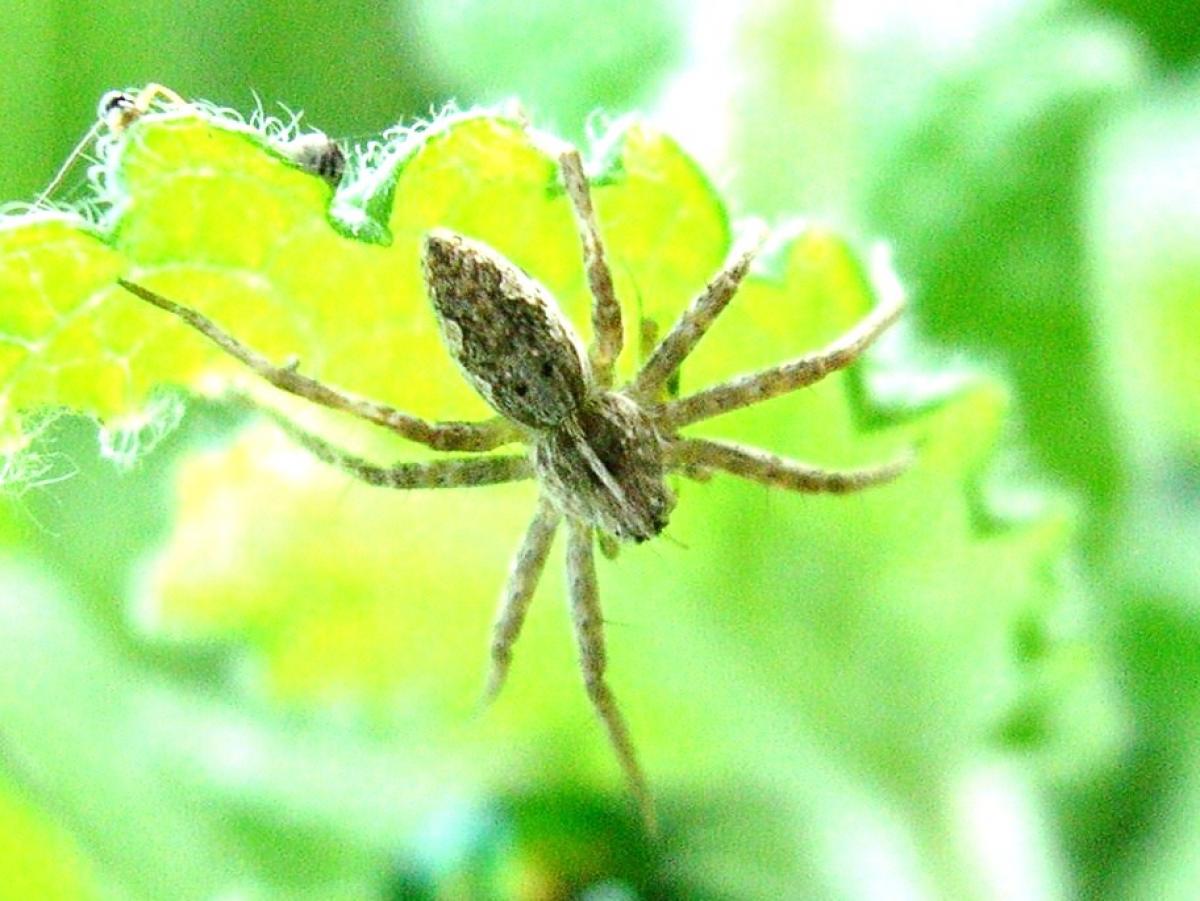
point(1170, 27)
point(550, 843)
point(1139, 826)
point(159, 788)
point(1145, 217)
point(66, 714)
point(1137, 834)
point(38, 857)
point(981, 188)
point(565, 60)
point(765, 97)
point(28, 84)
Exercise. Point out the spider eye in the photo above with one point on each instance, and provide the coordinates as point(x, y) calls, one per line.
point(521, 388)
point(547, 368)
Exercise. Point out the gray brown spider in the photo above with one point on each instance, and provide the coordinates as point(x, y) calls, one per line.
point(600, 454)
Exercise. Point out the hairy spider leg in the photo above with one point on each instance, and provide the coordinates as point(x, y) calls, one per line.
point(778, 472)
point(754, 387)
point(589, 635)
point(608, 333)
point(458, 436)
point(692, 324)
point(449, 472)
point(524, 574)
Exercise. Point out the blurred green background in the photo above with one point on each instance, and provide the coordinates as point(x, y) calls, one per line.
point(1035, 167)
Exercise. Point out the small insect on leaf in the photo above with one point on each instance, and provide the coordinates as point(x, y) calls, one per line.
point(319, 154)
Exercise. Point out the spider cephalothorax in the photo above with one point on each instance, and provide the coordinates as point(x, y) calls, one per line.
point(600, 455)
point(607, 468)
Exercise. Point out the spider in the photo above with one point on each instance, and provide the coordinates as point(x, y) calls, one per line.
point(600, 454)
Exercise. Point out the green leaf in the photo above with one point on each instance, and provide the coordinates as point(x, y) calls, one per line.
point(38, 858)
point(1170, 27)
point(1145, 263)
point(1145, 213)
point(767, 635)
point(79, 741)
point(29, 84)
point(588, 57)
point(977, 175)
point(784, 78)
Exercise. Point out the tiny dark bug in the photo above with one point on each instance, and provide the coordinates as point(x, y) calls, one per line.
point(600, 454)
point(317, 153)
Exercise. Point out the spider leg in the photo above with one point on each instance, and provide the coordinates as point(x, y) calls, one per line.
point(608, 334)
point(462, 436)
point(523, 577)
point(760, 466)
point(687, 331)
point(754, 387)
point(450, 472)
point(589, 634)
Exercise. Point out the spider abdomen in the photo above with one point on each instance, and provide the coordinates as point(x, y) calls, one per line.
point(505, 332)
